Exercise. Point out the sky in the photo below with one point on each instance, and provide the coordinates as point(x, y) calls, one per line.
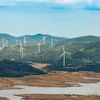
point(66, 18)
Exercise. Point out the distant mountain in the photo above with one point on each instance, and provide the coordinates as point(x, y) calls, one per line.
point(31, 39)
point(16, 69)
point(39, 38)
point(8, 37)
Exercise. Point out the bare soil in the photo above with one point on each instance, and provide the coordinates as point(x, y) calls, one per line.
point(39, 65)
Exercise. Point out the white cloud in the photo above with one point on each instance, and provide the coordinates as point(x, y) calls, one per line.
point(93, 3)
point(58, 1)
point(68, 2)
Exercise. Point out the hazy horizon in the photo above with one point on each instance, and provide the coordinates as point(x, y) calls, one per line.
point(63, 18)
point(48, 34)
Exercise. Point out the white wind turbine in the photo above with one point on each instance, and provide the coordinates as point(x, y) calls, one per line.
point(64, 56)
point(20, 43)
point(3, 42)
point(39, 47)
point(51, 42)
point(21, 50)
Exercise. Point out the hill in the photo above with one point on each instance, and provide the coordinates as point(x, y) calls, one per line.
point(82, 49)
point(84, 39)
point(90, 52)
point(16, 69)
point(86, 58)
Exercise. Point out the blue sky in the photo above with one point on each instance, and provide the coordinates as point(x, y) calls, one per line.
point(66, 18)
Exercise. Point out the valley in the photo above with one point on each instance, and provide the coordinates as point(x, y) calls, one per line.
point(49, 50)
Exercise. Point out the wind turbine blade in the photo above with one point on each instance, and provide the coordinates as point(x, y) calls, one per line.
point(68, 53)
point(63, 48)
point(61, 55)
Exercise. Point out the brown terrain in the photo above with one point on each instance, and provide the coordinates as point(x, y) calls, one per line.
point(52, 79)
point(58, 79)
point(2, 98)
point(58, 97)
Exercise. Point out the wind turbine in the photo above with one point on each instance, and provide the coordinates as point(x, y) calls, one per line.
point(21, 50)
point(64, 56)
point(20, 43)
point(51, 42)
point(39, 47)
point(3, 42)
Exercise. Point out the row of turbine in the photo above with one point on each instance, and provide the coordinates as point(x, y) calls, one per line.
point(4, 42)
point(43, 39)
point(38, 44)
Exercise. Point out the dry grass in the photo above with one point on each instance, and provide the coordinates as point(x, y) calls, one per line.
point(52, 79)
point(58, 97)
point(2, 98)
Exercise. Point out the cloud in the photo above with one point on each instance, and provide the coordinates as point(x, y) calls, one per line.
point(68, 2)
point(60, 1)
point(71, 3)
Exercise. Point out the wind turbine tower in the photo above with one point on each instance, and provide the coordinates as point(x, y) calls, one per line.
point(20, 46)
point(44, 39)
point(64, 56)
point(3, 42)
point(21, 50)
point(25, 40)
point(6, 43)
point(16, 42)
point(39, 47)
point(51, 42)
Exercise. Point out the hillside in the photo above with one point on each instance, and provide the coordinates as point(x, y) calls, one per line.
point(86, 58)
point(84, 39)
point(81, 52)
point(50, 54)
point(16, 69)
point(91, 52)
